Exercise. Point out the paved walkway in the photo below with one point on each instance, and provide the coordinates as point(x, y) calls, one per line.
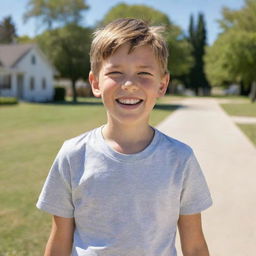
point(228, 160)
point(244, 119)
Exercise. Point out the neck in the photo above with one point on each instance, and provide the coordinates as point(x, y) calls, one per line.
point(128, 139)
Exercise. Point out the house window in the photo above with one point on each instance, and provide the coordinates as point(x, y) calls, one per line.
point(33, 60)
point(5, 82)
point(32, 83)
point(43, 84)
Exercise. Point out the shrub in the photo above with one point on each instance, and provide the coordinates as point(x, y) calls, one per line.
point(59, 93)
point(8, 101)
point(84, 91)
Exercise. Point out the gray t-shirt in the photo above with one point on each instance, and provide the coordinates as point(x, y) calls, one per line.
point(124, 205)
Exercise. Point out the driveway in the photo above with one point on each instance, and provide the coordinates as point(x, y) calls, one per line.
point(228, 160)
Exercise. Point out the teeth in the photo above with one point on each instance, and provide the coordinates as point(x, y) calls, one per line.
point(128, 101)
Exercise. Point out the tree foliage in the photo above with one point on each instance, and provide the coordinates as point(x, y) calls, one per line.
point(232, 58)
point(146, 13)
point(67, 46)
point(25, 39)
point(7, 31)
point(180, 59)
point(197, 39)
point(243, 19)
point(56, 12)
point(68, 49)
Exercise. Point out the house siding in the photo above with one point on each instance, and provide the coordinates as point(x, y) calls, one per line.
point(21, 73)
point(12, 91)
point(39, 70)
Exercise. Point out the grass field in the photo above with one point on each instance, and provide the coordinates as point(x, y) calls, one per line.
point(240, 109)
point(30, 136)
point(243, 107)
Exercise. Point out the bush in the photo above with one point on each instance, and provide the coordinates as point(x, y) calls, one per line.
point(59, 93)
point(8, 101)
point(84, 91)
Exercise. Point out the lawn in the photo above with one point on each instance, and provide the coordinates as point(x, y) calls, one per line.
point(30, 136)
point(243, 108)
point(240, 109)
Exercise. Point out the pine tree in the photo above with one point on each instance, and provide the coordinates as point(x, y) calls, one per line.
point(7, 31)
point(197, 39)
point(192, 83)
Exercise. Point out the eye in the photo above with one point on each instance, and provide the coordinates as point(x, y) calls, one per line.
point(114, 73)
point(144, 73)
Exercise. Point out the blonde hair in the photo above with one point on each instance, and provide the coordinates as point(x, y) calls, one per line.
point(136, 32)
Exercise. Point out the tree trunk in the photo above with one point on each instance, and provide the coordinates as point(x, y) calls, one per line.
point(244, 90)
point(74, 91)
point(253, 92)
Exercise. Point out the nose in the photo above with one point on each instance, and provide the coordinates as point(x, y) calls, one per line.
point(129, 85)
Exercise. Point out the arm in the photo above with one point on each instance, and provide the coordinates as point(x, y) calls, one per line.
point(61, 237)
point(191, 236)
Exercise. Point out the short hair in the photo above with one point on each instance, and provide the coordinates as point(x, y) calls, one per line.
point(136, 32)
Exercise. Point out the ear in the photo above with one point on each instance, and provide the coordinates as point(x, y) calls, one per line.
point(94, 81)
point(164, 85)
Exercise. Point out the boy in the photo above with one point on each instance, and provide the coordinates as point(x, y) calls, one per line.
point(122, 189)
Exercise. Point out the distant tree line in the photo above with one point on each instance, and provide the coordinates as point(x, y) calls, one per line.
point(66, 42)
point(7, 31)
point(232, 57)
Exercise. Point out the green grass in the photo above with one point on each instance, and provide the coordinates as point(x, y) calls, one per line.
point(250, 131)
point(240, 109)
point(30, 136)
point(244, 108)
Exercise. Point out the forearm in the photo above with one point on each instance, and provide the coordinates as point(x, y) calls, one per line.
point(198, 252)
point(56, 246)
point(191, 236)
point(61, 238)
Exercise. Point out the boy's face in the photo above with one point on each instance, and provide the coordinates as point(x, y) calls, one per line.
point(129, 84)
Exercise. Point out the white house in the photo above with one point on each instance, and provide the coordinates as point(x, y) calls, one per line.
point(25, 73)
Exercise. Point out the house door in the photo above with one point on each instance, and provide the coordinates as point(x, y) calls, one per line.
point(20, 86)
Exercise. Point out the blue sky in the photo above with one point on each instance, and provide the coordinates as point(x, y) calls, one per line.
point(178, 11)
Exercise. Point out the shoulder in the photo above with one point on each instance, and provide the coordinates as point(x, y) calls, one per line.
point(174, 146)
point(77, 144)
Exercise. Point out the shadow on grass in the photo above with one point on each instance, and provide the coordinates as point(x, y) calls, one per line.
point(168, 107)
point(71, 103)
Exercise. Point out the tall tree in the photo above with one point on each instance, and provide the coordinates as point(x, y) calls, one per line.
point(192, 31)
point(191, 81)
point(56, 12)
point(66, 43)
point(68, 49)
point(242, 19)
point(232, 57)
point(144, 12)
point(7, 31)
point(180, 59)
point(197, 38)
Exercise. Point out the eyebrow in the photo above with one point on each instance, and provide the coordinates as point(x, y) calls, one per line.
point(145, 66)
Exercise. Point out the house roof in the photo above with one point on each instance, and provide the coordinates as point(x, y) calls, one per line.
point(10, 54)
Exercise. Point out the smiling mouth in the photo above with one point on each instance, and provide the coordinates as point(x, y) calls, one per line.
point(129, 101)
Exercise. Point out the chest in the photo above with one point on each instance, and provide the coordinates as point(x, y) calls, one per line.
point(105, 184)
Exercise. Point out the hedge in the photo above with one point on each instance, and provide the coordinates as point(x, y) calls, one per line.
point(59, 93)
point(8, 101)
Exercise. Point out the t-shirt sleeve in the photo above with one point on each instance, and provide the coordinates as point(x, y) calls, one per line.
point(195, 196)
point(56, 196)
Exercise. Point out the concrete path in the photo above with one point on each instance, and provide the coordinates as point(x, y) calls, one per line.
point(244, 119)
point(228, 160)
